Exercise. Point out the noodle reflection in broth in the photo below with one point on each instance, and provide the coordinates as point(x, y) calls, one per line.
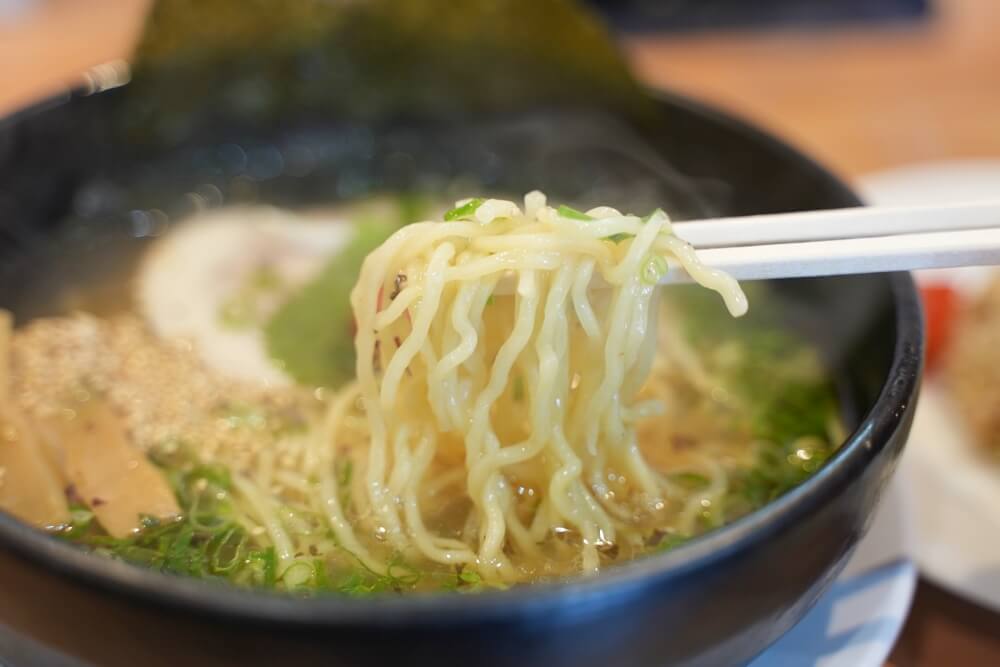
point(523, 408)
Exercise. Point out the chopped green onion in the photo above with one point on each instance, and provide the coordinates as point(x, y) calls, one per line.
point(400, 572)
point(213, 473)
point(179, 557)
point(298, 575)
point(80, 520)
point(265, 565)
point(491, 300)
point(690, 480)
point(344, 475)
point(207, 542)
point(571, 213)
point(672, 541)
point(654, 269)
point(321, 578)
point(621, 236)
point(470, 577)
point(225, 550)
point(465, 211)
point(354, 586)
point(518, 388)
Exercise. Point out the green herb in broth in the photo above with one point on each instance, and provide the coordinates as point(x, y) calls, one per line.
point(787, 401)
point(210, 543)
point(786, 405)
point(771, 402)
point(311, 336)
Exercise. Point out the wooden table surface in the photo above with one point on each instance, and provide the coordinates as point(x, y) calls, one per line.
point(859, 99)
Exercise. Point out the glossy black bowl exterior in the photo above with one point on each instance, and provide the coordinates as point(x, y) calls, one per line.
point(718, 600)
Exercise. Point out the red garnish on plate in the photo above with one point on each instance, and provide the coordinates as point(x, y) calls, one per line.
point(940, 307)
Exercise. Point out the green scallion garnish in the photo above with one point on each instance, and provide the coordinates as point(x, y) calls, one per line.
point(654, 268)
point(465, 211)
point(571, 213)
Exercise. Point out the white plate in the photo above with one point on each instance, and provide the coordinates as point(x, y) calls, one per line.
point(856, 623)
point(952, 182)
point(957, 522)
point(957, 511)
point(957, 503)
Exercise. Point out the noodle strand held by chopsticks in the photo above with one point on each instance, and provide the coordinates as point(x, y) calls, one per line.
point(537, 388)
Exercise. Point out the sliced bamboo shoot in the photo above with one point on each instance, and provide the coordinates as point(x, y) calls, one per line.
point(111, 476)
point(52, 448)
point(30, 488)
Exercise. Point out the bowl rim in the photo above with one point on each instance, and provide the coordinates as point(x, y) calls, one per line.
point(894, 405)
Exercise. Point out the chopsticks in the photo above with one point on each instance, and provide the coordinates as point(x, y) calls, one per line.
point(842, 223)
point(845, 241)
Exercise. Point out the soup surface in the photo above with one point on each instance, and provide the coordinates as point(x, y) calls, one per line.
point(181, 422)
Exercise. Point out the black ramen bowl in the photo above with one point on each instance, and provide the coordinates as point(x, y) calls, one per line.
point(79, 198)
